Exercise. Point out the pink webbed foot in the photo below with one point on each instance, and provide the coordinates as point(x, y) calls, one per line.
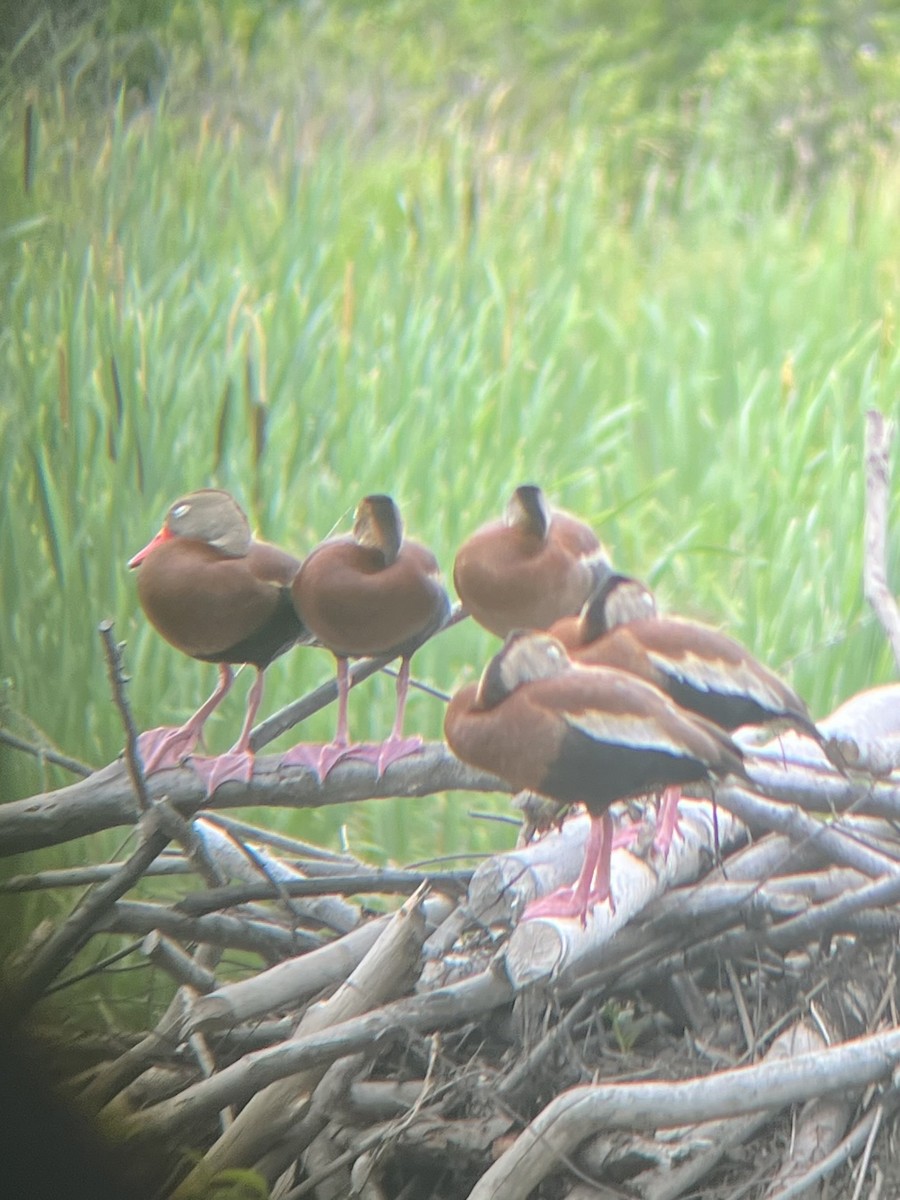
point(305, 754)
point(234, 764)
point(167, 746)
point(334, 753)
point(379, 754)
point(593, 884)
point(564, 902)
point(382, 754)
point(319, 759)
point(394, 749)
point(391, 750)
point(601, 893)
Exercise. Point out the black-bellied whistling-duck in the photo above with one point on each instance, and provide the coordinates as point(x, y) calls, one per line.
point(218, 595)
point(530, 568)
point(701, 669)
point(580, 734)
point(372, 592)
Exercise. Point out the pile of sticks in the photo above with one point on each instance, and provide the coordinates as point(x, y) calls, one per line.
point(731, 1027)
point(408, 1050)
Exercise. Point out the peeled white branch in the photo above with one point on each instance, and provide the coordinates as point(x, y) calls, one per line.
point(290, 983)
point(287, 983)
point(252, 864)
point(384, 972)
point(541, 948)
point(237, 1083)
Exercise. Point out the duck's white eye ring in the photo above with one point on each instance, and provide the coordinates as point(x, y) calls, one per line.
point(181, 510)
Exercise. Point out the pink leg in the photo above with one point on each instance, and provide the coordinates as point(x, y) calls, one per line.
point(601, 889)
point(575, 901)
point(601, 885)
point(237, 763)
point(168, 745)
point(396, 746)
point(318, 758)
point(667, 821)
point(627, 836)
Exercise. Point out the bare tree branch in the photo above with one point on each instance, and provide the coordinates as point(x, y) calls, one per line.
point(218, 929)
point(45, 752)
point(65, 877)
point(384, 881)
point(106, 799)
point(117, 681)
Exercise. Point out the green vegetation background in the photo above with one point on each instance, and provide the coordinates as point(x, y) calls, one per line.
point(646, 256)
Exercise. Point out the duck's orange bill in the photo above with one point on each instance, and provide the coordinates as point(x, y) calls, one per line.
point(164, 535)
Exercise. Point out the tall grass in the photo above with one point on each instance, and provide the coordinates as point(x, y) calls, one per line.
point(192, 300)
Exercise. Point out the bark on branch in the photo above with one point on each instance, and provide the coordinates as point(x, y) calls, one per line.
point(105, 800)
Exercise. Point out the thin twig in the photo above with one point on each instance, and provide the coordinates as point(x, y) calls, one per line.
point(279, 841)
point(64, 877)
point(497, 818)
point(97, 967)
point(419, 685)
point(43, 752)
point(422, 863)
point(746, 1024)
point(863, 1165)
point(117, 680)
point(403, 882)
point(64, 943)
